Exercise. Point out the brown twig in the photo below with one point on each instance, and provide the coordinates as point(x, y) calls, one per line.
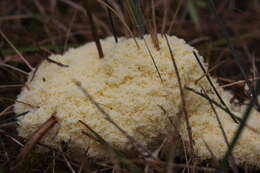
point(182, 98)
point(138, 146)
point(36, 136)
point(93, 28)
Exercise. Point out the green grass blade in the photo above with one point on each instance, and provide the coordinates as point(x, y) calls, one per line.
point(137, 15)
point(193, 11)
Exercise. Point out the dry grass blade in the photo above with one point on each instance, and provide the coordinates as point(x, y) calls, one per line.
point(122, 20)
point(211, 153)
point(5, 110)
point(182, 97)
point(221, 107)
point(138, 146)
point(233, 52)
point(208, 71)
point(37, 135)
point(19, 138)
point(57, 63)
point(178, 165)
point(27, 104)
point(111, 21)
point(154, 63)
point(14, 68)
point(120, 156)
point(8, 125)
point(175, 15)
point(232, 159)
point(238, 82)
point(11, 86)
point(93, 28)
point(18, 53)
point(213, 87)
point(239, 130)
point(154, 28)
point(68, 163)
point(14, 117)
point(4, 149)
point(69, 30)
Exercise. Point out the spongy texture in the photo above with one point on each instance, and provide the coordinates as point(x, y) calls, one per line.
point(126, 85)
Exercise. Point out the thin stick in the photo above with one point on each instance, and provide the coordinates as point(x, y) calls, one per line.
point(18, 53)
point(68, 163)
point(221, 107)
point(122, 20)
point(12, 86)
point(239, 130)
point(208, 71)
point(238, 82)
point(138, 146)
point(154, 63)
point(14, 117)
point(5, 110)
point(233, 52)
point(232, 159)
point(211, 152)
point(36, 136)
point(154, 28)
point(69, 30)
point(182, 97)
point(57, 63)
point(212, 85)
point(111, 22)
point(27, 104)
point(93, 29)
point(14, 68)
point(175, 15)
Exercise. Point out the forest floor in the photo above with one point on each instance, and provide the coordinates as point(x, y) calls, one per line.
point(40, 28)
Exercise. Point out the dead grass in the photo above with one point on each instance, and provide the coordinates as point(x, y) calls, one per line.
point(39, 28)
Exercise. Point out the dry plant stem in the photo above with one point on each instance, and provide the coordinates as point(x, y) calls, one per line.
point(111, 22)
point(154, 63)
point(18, 53)
point(232, 161)
point(27, 104)
point(213, 87)
point(233, 52)
point(4, 149)
point(177, 165)
point(57, 63)
point(7, 125)
point(165, 14)
point(214, 158)
point(11, 86)
point(68, 163)
point(14, 68)
point(139, 147)
point(5, 110)
point(182, 97)
point(209, 70)
point(13, 117)
point(239, 82)
point(36, 136)
point(93, 28)
point(154, 28)
point(175, 15)
point(69, 30)
point(122, 20)
point(19, 138)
